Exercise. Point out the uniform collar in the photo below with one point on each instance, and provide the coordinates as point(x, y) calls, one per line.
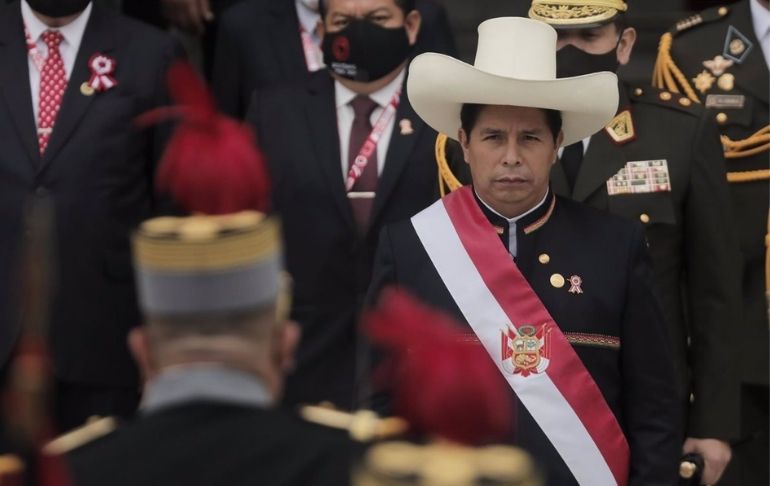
point(204, 382)
point(528, 222)
point(382, 97)
point(72, 32)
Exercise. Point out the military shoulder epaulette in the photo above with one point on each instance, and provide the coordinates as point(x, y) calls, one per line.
point(95, 428)
point(668, 99)
point(704, 17)
point(362, 426)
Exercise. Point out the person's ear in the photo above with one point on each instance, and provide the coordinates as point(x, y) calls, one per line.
point(559, 140)
point(412, 24)
point(290, 335)
point(626, 45)
point(139, 345)
point(464, 140)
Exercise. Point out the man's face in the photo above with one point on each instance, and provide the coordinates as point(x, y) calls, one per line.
point(510, 151)
point(599, 40)
point(385, 13)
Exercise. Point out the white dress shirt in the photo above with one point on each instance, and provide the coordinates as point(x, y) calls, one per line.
point(512, 236)
point(73, 35)
point(760, 17)
point(345, 116)
point(585, 141)
point(308, 19)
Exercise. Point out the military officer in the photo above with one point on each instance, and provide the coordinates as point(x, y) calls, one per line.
point(217, 341)
point(719, 58)
point(659, 162)
point(567, 302)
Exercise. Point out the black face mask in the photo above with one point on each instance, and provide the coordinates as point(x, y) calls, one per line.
point(365, 51)
point(58, 8)
point(571, 61)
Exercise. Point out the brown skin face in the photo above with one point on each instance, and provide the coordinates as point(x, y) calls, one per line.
point(510, 151)
point(600, 40)
point(385, 13)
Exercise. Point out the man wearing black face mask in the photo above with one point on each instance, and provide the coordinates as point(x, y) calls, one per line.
point(346, 154)
point(659, 162)
point(74, 77)
point(265, 42)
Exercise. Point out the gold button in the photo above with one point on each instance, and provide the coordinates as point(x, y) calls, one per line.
point(638, 91)
point(665, 96)
point(685, 101)
point(644, 218)
point(722, 11)
point(557, 280)
point(721, 118)
point(86, 89)
point(544, 258)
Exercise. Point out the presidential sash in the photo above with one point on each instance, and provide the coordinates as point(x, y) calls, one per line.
point(523, 340)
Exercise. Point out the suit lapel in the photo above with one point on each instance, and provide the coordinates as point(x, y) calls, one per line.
point(96, 38)
point(752, 74)
point(285, 30)
point(321, 114)
point(14, 80)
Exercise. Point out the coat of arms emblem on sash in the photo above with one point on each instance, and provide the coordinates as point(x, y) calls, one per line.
point(525, 350)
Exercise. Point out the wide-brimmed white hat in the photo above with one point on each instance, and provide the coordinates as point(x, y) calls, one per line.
point(515, 65)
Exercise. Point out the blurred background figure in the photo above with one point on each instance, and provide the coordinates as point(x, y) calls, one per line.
point(277, 42)
point(71, 87)
point(719, 59)
point(346, 154)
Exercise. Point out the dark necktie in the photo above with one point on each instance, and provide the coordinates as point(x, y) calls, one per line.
point(361, 196)
point(571, 159)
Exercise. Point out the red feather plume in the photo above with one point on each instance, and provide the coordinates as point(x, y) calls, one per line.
point(212, 164)
point(445, 385)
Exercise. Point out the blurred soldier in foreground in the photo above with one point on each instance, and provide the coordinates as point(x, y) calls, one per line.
point(217, 342)
point(719, 58)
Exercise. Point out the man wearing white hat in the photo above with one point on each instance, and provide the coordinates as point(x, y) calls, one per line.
point(566, 305)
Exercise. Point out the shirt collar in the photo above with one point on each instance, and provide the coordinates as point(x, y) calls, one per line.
point(308, 19)
point(204, 382)
point(760, 17)
point(72, 32)
point(382, 97)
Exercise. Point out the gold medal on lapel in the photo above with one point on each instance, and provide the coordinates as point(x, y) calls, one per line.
point(726, 82)
point(557, 280)
point(704, 81)
point(86, 89)
point(406, 126)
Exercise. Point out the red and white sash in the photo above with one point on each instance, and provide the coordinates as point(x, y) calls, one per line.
point(523, 340)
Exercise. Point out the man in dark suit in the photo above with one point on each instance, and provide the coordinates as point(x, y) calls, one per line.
point(566, 306)
point(719, 58)
point(68, 99)
point(215, 365)
point(317, 136)
point(659, 161)
point(266, 42)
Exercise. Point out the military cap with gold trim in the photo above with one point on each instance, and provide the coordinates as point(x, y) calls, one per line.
point(225, 257)
point(576, 14)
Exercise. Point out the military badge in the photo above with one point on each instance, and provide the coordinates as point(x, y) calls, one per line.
point(725, 101)
point(640, 177)
point(621, 128)
point(718, 65)
point(704, 81)
point(726, 82)
point(525, 351)
point(737, 45)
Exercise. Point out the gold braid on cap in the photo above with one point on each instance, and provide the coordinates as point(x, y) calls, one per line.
point(575, 12)
point(446, 179)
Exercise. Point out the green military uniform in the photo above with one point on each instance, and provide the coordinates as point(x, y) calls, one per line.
point(714, 58)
